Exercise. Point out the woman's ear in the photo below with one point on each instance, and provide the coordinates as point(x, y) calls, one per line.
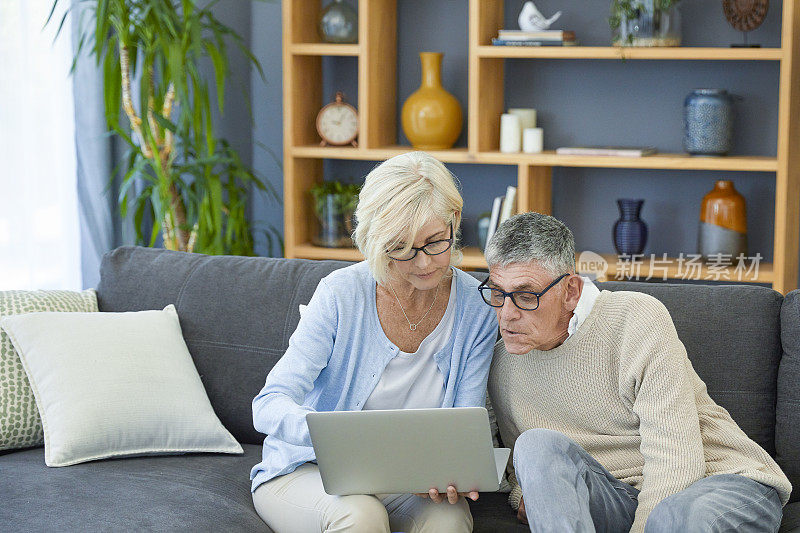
point(572, 294)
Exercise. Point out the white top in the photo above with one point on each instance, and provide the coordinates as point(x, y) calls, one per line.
point(589, 295)
point(413, 380)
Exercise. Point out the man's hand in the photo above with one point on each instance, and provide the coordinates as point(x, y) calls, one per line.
point(522, 515)
point(451, 495)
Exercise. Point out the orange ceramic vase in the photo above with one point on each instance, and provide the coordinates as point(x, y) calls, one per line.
point(723, 222)
point(431, 116)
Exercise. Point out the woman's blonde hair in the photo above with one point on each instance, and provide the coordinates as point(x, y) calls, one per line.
point(400, 196)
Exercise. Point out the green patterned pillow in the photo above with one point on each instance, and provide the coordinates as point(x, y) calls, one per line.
point(20, 425)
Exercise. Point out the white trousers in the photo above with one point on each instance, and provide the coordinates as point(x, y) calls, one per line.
point(297, 503)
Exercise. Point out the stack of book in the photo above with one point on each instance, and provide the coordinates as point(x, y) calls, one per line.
point(503, 208)
point(618, 151)
point(535, 38)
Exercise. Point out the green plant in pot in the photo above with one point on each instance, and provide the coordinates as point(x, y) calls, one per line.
point(645, 23)
point(334, 205)
point(190, 184)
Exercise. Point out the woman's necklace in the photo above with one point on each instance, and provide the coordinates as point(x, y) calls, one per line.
point(410, 325)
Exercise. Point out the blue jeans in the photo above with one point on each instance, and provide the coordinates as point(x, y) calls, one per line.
point(565, 489)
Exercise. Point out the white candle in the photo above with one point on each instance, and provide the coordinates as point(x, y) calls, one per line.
point(510, 133)
point(527, 116)
point(533, 140)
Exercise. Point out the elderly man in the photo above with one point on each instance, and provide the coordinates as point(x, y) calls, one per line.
point(611, 427)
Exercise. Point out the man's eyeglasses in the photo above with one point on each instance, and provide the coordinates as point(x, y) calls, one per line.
point(432, 248)
point(525, 300)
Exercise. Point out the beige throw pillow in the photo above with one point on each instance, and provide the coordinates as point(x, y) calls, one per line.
point(20, 425)
point(115, 384)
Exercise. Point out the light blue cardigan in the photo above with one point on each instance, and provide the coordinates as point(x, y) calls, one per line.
point(338, 353)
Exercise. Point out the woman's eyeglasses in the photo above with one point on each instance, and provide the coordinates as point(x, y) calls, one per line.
point(431, 248)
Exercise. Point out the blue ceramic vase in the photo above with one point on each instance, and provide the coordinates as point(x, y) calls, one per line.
point(708, 122)
point(630, 231)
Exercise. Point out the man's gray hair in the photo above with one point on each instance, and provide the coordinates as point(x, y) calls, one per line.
point(533, 237)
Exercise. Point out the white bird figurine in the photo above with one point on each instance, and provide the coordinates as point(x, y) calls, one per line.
point(530, 19)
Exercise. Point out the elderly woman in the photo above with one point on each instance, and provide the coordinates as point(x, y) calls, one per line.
point(403, 329)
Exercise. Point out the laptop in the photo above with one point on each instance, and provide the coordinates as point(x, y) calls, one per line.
point(406, 450)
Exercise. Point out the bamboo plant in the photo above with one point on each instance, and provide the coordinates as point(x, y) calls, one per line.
point(191, 183)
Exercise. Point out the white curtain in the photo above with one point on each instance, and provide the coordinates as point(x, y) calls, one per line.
point(39, 228)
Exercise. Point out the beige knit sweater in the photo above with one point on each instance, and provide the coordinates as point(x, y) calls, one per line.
point(623, 388)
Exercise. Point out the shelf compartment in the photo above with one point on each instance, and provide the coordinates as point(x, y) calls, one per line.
point(473, 257)
point(324, 49)
point(673, 269)
point(657, 161)
point(620, 52)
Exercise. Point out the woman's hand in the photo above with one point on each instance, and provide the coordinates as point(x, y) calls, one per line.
point(522, 515)
point(451, 495)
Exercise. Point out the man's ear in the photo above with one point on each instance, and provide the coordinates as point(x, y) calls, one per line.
point(572, 294)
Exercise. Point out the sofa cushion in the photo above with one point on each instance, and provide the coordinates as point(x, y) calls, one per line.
point(236, 313)
point(791, 519)
point(20, 423)
point(492, 514)
point(732, 337)
point(166, 493)
point(787, 425)
point(115, 384)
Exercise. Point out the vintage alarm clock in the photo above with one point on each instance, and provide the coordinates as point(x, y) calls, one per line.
point(337, 123)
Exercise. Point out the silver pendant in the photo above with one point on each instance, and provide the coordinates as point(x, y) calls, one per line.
point(413, 327)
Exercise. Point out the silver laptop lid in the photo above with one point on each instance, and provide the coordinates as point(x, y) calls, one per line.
point(405, 450)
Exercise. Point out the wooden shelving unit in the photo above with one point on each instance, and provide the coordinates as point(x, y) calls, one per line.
point(376, 55)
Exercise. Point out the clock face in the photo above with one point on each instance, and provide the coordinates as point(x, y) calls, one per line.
point(337, 123)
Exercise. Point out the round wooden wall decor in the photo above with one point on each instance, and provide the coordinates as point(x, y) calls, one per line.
point(745, 15)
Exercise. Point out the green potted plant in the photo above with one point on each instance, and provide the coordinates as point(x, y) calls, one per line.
point(192, 184)
point(645, 23)
point(334, 205)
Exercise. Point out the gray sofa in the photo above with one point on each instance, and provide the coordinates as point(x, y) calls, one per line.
point(237, 315)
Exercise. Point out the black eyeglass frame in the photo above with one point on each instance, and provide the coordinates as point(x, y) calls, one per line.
point(416, 250)
point(512, 293)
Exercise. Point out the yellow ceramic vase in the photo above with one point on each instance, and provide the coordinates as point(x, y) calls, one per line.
point(431, 115)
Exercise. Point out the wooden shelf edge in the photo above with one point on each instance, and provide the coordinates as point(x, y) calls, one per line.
point(649, 267)
point(324, 49)
point(679, 53)
point(661, 161)
point(310, 251)
point(473, 257)
point(549, 159)
point(454, 155)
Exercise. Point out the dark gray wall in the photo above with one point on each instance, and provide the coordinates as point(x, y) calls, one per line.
point(579, 102)
point(235, 122)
